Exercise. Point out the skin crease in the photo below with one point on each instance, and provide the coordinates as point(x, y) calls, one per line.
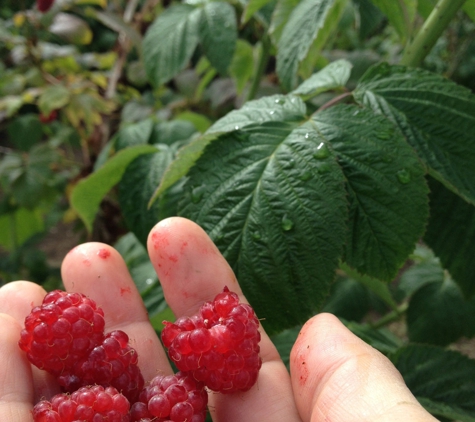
point(335, 377)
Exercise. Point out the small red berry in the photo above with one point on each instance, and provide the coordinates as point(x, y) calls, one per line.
point(219, 346)
point(44, 5)
point(175, 398)
point(92, 403)
point(62, 331)
point(112, 363)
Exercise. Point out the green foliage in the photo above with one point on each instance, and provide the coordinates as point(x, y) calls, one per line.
point(322, 169)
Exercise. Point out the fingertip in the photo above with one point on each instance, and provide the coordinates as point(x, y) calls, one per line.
point(17, 298)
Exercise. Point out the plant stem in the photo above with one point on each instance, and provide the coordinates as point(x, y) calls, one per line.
point(391, 316)
point(261, 67)
point(431, 30)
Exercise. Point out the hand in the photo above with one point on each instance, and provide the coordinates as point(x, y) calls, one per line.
point(335, 376)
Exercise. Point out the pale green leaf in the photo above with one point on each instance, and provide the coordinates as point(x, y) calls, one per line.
point(218, 34)
point(274, 108)
point(170, 42)
point(242, 65)
point(400, 13)
point(89, 192)
point(333, 76)
point(52, 98)
point(252, 6)
point(280, 16)
point(303, 26)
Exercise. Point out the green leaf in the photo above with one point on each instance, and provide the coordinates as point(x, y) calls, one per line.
point(378, 287)
point(386, 188)
point(348, 299)
point(438, 313)
point(199, 121)
point(284, 342)
point(172, 131)
point(282, 11)
point(431, 111)
point(141, 269)
point(25, 131)
point(89, 192)
point(218, 34)
point(136, 187)
point(185, 159)
point(170, 42)
point(333, 76)
point(469, 9)
point(19, 225)
point(306, 20)
point(134, 134)
point(242, 65)
point(370, 17)
point(443, 381)
point(252, 6)
point(451, 234)
point(274, 108)
point(381, 339)
point(401, 14)
point(52, 98)
point(276, 212)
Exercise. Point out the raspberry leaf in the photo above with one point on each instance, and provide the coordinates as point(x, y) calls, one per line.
point(449, 393)
point(386, 188)
point(218, 34)
point(170, 42)
point(272, 198)
point(451, 234)
point(432, 112)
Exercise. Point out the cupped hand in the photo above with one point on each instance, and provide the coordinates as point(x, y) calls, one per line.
point(334, 376)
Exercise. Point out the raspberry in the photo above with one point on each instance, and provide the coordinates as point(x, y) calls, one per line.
point(63, 330)
point(44, 5)
point(219, 346)
point(112, 363)
point(93, 404)
point(171, 398)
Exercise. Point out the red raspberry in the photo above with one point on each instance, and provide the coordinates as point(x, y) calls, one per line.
point(63, 330)
point(44, 5)
point(219, 345)
point(171, 398)
point(93, 404)
point(113, 363)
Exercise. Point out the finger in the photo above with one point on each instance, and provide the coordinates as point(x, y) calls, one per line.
point(338, 377)
point(17, 299)
point(98, 271)
point(16, 386)
point(192, 271)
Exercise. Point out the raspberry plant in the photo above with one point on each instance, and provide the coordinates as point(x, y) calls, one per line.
point(326, 147)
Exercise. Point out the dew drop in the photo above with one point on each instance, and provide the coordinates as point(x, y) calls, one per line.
point(149, 281)
point(307, 135)
point(256, 235)
point(219, 237)
point(305, 176)
point(280, 101)
point(197, 194)
point(404, 176)
point(236, 127)
point(287, 224)
point(271, 112)
point(322, 151)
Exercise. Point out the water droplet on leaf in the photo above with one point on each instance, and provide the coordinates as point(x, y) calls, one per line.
point(271, 112)
point(287, 224)
point(324, 167)
point(256, 235)
point(322, 151)
point(280, 101)
point(306, 175)
point(197, 194)
point(404, 176)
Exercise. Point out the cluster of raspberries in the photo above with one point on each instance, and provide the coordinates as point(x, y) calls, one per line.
point(216, 349)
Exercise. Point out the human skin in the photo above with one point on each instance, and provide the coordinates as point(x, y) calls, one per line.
point(334, 376)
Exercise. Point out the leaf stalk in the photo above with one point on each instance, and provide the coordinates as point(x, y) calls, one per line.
point(436, 23)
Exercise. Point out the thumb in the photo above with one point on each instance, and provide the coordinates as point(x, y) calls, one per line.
point(338, 377)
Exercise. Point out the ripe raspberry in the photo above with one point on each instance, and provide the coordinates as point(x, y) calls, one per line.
point(219, 345)
point(171, 398)
point(112, 363)
point(63, 330)
point(44, 5)
point(93, 404)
